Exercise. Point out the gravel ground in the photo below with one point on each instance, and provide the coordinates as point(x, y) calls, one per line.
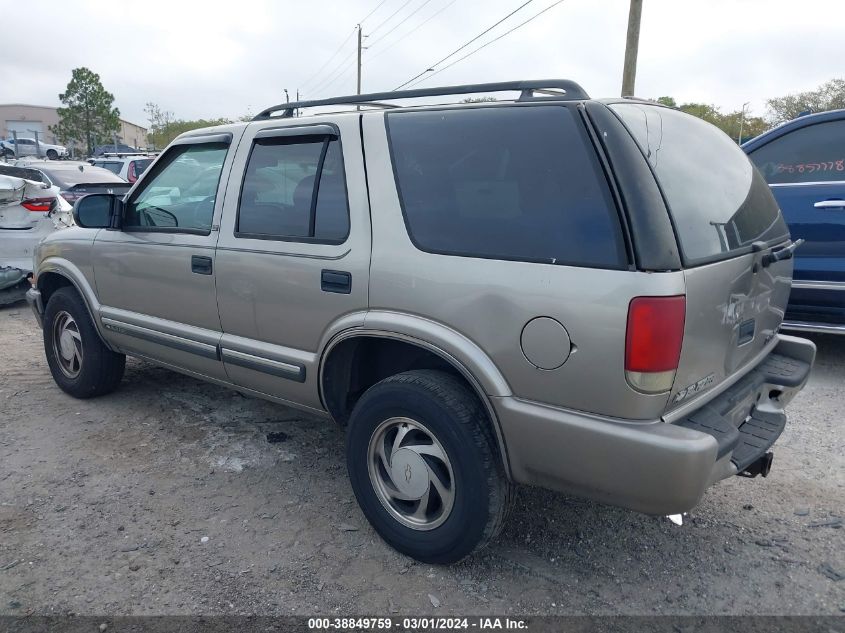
point(167, 497)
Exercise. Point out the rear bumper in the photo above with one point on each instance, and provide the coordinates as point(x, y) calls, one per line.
point(655, 467)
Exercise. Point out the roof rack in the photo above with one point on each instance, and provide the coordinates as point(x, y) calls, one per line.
point(550, 87)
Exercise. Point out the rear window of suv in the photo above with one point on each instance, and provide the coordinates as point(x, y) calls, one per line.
point(719, 202)
point(512, 183)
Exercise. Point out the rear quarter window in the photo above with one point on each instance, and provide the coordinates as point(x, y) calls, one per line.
point(719, 202)
point(513, 183)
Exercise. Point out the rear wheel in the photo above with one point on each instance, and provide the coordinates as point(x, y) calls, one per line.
point(425, 468)
point(79, 361)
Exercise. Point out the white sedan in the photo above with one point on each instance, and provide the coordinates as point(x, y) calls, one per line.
point(28, 147)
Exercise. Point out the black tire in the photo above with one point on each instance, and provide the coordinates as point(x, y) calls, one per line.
point(456, 419)
point(52, 154)
point(99, 369)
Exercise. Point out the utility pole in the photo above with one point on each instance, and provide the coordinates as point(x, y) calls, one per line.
point(632, 43)
point(359, 59)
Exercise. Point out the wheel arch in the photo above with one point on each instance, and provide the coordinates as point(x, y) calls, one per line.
point(337, 394)
point(54, 274)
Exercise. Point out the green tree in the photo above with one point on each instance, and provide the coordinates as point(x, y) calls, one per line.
point(164, 128)
point(87, 117)
point(828, 96)
point(160, 121)
point(728, 122)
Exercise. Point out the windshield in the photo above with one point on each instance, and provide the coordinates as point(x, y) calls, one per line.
point(719, 202)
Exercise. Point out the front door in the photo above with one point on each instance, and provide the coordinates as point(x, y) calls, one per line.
point(806, 170)
point(156, 276)
point(294, 252)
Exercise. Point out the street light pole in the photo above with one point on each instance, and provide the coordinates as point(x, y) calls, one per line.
point(741, 121)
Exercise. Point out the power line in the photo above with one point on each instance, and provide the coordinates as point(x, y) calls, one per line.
point(342, 44)
point(331, 73)
point(378, 6)
point(460, 48)
point(407, 17)
point(339, 48)
point(342, 75)
point(405, 4)
point(409, 33)
point(496, 39)
point(342, 70)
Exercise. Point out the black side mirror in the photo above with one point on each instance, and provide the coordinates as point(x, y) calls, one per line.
point(98, 211)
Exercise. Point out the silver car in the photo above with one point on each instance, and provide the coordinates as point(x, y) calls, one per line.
point(557, 291)
point(29, 147)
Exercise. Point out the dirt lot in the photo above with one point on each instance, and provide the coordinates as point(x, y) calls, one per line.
point(167, 497)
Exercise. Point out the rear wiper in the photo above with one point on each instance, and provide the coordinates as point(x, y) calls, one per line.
point(787, 252)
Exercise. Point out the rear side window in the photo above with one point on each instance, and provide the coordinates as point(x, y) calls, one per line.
point(513, 183)
point(294, 189)
point(719, 202)
point(815, 153)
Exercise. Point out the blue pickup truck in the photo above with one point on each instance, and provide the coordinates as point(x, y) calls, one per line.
point(803, 161)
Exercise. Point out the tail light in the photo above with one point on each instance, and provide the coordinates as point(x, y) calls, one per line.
point(70, 197)
point(38, 204)
point(653, 342)
point(131, 176)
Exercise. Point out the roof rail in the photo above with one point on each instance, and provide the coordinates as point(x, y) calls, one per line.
point(571, 91)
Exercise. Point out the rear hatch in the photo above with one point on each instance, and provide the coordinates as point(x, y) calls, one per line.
point(728, 227)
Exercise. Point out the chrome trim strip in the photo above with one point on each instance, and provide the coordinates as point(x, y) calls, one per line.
point(290, 371)
point(818, 285)
point(806, 184)
point(285, 254)
point(820, 328)
point(160, 338)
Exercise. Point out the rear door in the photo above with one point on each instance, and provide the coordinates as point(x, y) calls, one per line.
point(806, 170)
point(294, 251)
point(726, 220)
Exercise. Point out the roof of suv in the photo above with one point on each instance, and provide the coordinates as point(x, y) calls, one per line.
point(531, 91)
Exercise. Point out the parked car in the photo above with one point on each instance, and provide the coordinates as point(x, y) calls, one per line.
point(803, 161)
point(483, 294)
point(78, 179)
point(28, 147)
point(29, 210)
point(115, 148)
point(127, 166)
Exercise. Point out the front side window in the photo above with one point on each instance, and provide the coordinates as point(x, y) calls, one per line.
point(719, 203)
point(513, 183)
point(294, 189)
point(815, 153)
point(180, 196)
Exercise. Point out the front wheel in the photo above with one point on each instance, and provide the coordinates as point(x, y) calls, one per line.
point(425, 468)
point(79, 361)
point(52, 154)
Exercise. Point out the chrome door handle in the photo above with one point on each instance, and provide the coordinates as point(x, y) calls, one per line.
point(830, 204)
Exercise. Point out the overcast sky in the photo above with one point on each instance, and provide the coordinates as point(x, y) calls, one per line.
point(210, 58)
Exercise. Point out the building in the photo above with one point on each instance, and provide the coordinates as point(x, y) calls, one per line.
point(28, 119)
